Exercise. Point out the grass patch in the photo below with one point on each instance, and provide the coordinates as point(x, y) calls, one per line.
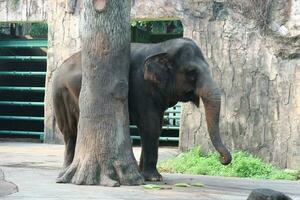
point(243, 165)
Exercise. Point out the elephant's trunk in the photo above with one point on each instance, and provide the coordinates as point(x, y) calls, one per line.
point(210, 95)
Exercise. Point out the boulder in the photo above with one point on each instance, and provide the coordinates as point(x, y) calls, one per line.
point(267, 194)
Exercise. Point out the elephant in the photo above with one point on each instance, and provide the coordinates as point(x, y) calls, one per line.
point(161, 75)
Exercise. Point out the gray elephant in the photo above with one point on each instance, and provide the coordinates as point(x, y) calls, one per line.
point(160, 75)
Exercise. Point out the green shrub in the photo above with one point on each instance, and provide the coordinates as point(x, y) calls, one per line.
point(38, 30)
point(243, 165)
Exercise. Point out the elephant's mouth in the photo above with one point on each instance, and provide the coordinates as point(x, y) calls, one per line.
point(190, 92)
point(187, 96)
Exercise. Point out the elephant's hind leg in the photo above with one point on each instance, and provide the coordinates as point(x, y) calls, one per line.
point(70, 145)
point(66, 114)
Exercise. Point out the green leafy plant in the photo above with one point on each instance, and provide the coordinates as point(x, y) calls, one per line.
point(38, 30)
point(159, 27)
point(243, 165)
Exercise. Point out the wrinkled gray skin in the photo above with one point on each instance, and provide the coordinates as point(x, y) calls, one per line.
point(160, 75)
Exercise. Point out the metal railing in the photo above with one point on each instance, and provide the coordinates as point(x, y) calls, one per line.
point(17, 43)
point(20, 73)
point(10, 45)
point(22, 89)
point(21, 103)
point(23, 58)
point(23, 118)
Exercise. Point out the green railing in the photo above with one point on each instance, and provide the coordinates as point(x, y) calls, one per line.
point(17, 43)
point(21, 103)
point(20, 73)
point(22, 89)
point(17, 73)
point(23, 58)
point(10, 55)
point(166, 139)
point(9, 132)
point(23, 118)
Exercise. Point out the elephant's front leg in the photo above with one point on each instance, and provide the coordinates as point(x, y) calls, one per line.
point(150, 125)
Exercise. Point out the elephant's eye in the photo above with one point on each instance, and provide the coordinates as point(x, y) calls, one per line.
point(191, 75)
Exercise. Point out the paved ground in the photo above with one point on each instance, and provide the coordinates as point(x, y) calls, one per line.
point(34, 167)
point(6, 187)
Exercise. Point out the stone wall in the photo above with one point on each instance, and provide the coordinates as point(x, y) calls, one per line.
point(255, 60)
point(63, 41)
point(258, 73)
point(23, 10)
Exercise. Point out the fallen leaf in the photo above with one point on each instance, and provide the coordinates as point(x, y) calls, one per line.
point(198, 184)
point(181, 185)
point(152, 186)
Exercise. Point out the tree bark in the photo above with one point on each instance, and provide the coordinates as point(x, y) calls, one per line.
point(103, 152)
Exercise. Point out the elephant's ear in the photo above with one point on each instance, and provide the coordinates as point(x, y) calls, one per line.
point(156, 68)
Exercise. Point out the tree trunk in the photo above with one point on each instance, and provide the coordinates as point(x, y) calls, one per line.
point(103, 152)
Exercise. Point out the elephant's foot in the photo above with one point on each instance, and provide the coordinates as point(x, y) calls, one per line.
point(152, 175)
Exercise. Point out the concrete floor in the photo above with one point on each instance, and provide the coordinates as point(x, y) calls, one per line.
point(34, 167)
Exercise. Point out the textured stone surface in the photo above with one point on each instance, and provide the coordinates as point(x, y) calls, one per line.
point(63, 41)
point(259, 79)
point(258, 71)
point(261, 194)
point(23, 10)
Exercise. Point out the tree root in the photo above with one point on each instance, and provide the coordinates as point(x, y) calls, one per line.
point(92, 172)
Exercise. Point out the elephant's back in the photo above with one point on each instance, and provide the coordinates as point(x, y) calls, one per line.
point(69, 75)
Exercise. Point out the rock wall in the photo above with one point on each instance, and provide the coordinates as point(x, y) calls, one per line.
point(258, 73)
point(23, 10)
point(63, 41)
point(253, 49)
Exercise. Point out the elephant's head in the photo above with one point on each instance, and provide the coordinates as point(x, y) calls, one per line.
point(182, 74)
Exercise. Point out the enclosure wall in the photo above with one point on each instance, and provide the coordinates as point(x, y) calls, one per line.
point(253, 48)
